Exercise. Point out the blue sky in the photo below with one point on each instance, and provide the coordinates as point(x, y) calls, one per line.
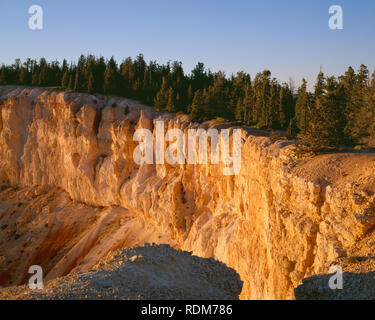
point(289, 37)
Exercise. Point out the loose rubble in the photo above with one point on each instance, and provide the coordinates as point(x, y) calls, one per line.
point(141, 273)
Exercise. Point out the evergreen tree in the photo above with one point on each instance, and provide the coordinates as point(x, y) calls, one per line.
point(314, 134)
point(197, 107)
point(325, 128)
point(333, 115)
point(372, 109)
point(360, 117)
point(3, 76)
point(98, 72)
point(215, 98)
point(198, 76)
point(257, 99)
point(76, 80)
point(161, 99)
point(24, 76)
point(65, 79)
point(71, 82)
point(292, 129)
point(35, 77)
point(347, 82)
point(171, 102)
point(64, 66)
point(240, 111)
point(111, 77)
point(127, 72)
point(235, 108)
point(264, 100)
point(286, 106)
point(248, 105)
point(91, 84)
point(302, 108)
point(275, 111)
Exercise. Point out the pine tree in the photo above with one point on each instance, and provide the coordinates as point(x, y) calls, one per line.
point(71, 82)
point(286, 106)
point(333, 115)
point(199, 77)
point(35, 77)
point(239, 114)
point(265, 103)
point(3, 76)
point(171, 102)
point(190, 93)
point(24, 76)
point(314, 134)
point(325, 128)
point(275, 111)
point(215, 100)
point(127, 72)
point(81, 76)
point(111, 77)
point(64, 66)
point(65, 80)
point(235, 108)
point(257, 99)
point(347, 82)
point(76, 81)
point(197, 107)
point(360, 118)
point(302, 108)
point(371, 93)
point(91, 84)
point(161, 99)
point(248, 105)
point(292, 129)
point(99, 71)
point(43, 72)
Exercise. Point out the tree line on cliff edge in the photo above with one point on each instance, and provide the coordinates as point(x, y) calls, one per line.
point(340, 111)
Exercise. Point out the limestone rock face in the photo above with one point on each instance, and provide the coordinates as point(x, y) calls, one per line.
point(276, 222)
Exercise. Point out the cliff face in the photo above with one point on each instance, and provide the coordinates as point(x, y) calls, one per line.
point(276, 222)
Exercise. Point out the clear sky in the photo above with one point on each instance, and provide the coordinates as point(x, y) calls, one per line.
point(289, 37)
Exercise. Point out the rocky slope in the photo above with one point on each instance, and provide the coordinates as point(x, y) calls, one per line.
point(141, 273)
point(357, 278)
point(276, 222)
